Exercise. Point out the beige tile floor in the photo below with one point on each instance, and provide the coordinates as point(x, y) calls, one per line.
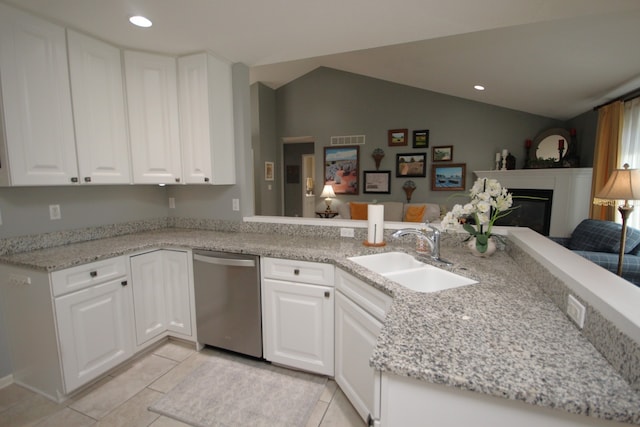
point(122, 398)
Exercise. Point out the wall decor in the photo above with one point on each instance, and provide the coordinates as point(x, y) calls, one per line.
point(377, 155)
point(293, 174)
point(411, 164)
point(409, 187)
point(443, 153)
point(268, 171)
point(421, 138)
point(450, 177)
point(397, 137)
point(377, 182)
point(341, 169)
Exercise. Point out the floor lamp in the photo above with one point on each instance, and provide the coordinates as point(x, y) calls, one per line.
point(623, 185)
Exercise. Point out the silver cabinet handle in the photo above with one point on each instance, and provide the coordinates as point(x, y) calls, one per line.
point(225, 261)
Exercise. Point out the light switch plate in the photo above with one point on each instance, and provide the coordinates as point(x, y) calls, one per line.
point(235, 204)
point(346, 232)
point(54, 212)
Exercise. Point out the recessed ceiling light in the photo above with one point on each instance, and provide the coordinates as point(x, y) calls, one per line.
point(140, 21)
point(478, 87)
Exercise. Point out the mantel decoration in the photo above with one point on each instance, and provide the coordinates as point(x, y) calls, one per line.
point(488, 202)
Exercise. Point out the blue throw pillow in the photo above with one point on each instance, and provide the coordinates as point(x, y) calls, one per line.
point(602, 236)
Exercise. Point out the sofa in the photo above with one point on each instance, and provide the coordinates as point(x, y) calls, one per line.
point(599, 242)
point(393, 211)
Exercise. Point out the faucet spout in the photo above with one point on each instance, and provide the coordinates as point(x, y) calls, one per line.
point(432, 240)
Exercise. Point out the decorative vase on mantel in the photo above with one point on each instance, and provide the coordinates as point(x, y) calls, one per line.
point(491, 248)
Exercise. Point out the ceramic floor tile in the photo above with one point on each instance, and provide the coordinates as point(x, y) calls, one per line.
point(12, 395)
point(127, 384)
point(317, 414)
point(28, 411)
point(329, 391)
point(176, 350)
point(341, 413)
point(177, 374)
point(66, 417)
point(167, 422)
point(133, 412)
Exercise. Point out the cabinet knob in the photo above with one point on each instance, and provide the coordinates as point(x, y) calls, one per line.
point(296, 272)
point(87, 179)
point(327, 294)
point(177, 179)
point(93, 273)
point(124, 283)
point(206, 179)
point(74, 179)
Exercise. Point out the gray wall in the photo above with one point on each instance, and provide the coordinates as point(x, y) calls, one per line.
point(585, 125)
point(328, 102)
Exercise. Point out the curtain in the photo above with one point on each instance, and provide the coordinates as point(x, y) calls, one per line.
point(606, 155)
point(630, 146)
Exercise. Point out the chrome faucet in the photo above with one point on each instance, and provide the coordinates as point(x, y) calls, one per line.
point(432, 240)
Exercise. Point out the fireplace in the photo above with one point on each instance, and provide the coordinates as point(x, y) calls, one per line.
point(534, 213)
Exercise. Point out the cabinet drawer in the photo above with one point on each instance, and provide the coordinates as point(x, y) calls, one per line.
point(298, 271)
point(375, 302)
point(82, 276)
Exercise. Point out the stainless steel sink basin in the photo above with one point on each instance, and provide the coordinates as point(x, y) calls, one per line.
point(407, 271)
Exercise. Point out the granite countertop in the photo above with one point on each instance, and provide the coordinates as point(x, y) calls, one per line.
point(503, 336)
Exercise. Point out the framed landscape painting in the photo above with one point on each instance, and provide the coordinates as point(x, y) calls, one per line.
point(421, 138)
point(341, 168)
point(450, 177)
point(411, 164)
point(397, 137)
point(443, 153)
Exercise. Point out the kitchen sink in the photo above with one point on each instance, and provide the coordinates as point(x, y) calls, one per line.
point(407, 271)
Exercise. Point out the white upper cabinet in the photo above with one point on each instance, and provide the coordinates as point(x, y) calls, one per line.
point(152, 99)
point(38, 146)
point(206, 119)
point(98, 104)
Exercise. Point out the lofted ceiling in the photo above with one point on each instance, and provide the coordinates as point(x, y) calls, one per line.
point(555, 58)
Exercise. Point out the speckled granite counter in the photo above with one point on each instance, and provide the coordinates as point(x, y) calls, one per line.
point(503, 336)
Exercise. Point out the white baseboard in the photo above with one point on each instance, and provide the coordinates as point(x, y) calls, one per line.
point(5, 381)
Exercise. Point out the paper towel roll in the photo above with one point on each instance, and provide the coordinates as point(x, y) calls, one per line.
point(375, 215)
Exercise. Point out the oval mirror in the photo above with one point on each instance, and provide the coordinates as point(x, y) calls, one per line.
point(548, 143)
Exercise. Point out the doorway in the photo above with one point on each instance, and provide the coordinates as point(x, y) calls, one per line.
point(295, 171)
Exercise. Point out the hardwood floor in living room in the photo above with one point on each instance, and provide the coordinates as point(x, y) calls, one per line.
point(122, 398)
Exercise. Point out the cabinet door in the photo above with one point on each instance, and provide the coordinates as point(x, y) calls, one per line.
point(298, 325)
point(152, 99)
point(176, 285)
point(98, 108)
point(95, 331)
point(356, 335)
point(206, 119)
point(36, 100)
point(148, 295)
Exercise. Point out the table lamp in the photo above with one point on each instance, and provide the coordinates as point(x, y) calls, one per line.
point(623, 185)
point(328, 194)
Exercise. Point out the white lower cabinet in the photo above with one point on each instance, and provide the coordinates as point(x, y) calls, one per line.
point(94, 328)
point(298, 317)
point(360, 310)
point(161, 294)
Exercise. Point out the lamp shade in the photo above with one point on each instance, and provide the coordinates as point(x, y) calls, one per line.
point(623, 184)
point(327, 191)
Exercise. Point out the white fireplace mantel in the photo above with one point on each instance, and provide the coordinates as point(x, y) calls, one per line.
point(571, 192)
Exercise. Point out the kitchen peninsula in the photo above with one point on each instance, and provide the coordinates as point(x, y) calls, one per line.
point(502, 339)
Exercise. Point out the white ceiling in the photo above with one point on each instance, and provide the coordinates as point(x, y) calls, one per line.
point(556, 58)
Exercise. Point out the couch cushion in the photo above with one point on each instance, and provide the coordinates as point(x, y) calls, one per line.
point(415, 213)
point(359, 210)
point(431, 212)
point(602, 236)
point(344, 210)
point(393, 211)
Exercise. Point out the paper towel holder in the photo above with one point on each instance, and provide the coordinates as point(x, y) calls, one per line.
point(374, 245)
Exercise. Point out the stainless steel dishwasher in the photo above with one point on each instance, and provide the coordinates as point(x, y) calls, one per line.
point(227, 299)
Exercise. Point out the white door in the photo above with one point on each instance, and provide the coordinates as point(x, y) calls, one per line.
point(95, 331)
point(152, 99)
point(36, 98)
point(356, 334)
point(148, 295)
point(298, 325)
point(176, 284)
point(98, 108)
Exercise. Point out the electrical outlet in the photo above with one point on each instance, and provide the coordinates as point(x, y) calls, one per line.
point(172, 202)
point(346, 232)
point(576, 311)
point(54, 212)
point(235, 204)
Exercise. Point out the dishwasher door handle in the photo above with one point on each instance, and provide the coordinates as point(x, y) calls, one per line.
point(225, 261)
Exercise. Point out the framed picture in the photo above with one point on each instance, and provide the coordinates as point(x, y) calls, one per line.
point(449, 177)
point(341, 168)
point(443, 153)
point(397, 137)
point(421, 138)
point(268, 171)
point(377, 182)
point(411, 164)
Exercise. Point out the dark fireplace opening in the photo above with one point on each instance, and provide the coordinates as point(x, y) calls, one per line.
point(534, 213)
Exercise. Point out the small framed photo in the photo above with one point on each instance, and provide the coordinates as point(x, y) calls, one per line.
point(449, 177)
point(421, 138)
point(411, 164)
point(397, 137)
point(341, 169)
point(268, 171)
point(443, 153)
point(377, 182)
